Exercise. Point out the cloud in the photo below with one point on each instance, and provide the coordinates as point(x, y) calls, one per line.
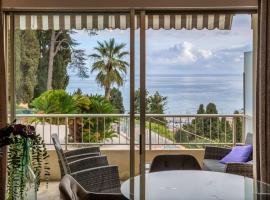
point(187, 58)
point(187, 53)
point(184, 53)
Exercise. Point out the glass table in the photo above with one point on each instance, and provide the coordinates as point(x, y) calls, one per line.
point(194, 185)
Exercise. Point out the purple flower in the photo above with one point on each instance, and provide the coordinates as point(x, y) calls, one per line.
point(25, 131)
point(31, 132)
point(31, 129)
point(19, 129)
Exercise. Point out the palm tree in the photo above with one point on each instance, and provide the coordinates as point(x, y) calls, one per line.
point(110, 64)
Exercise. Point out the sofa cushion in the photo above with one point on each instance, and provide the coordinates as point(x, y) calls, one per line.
point(238, 154)
point(213, 165)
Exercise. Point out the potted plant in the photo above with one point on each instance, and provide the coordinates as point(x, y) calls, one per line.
point(26, 154)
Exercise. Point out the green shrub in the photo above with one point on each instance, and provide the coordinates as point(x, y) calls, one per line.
point(100, 128)
point(55, 102)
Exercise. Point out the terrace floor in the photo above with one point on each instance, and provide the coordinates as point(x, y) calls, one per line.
point(49, 193)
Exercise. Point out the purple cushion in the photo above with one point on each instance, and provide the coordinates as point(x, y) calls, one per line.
point(238, 154)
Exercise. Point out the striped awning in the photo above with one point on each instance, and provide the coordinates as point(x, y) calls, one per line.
point(122, 21)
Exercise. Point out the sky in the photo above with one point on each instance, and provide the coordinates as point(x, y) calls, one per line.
point(184, 51)
point(171, 54)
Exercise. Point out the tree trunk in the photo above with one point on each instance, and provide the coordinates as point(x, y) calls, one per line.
point(51, 57)
point(108, 92)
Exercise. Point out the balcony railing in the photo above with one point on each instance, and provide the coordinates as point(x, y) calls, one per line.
point(162, 131)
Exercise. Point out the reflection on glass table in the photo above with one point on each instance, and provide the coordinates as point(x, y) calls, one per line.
point(194, 185)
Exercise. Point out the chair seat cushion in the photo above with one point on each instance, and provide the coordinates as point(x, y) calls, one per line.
point(213, 165)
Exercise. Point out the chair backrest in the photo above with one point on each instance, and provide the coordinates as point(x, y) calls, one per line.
point(90, 162)
point(61, 156)
point(70, 189)
point(249, 139)
point(104, 179)
point(174, 162)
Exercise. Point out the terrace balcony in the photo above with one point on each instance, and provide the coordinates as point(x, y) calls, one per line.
point(165, 134)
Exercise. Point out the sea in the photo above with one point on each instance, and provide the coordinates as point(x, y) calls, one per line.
point(184, 92)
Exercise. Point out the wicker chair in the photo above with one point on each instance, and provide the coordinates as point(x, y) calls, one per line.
point(174, 162)
point(214, 154)
point(243, 169)
point(64, 158)
point(77, 153)
point(90, 171)
point(70, 189)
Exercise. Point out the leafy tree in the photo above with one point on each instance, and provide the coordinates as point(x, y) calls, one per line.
point(60, 78)
point(211, 124)
point(61, 40)
point(27, 58)
point(201, 109)
point(239, 127)
point(219, 129)
point(157, 103)
point(110, 64)
point(78, 92)
point(137, 101)
point(57, 53)
point(116, 100)
point(211, 109)
point(100, 128)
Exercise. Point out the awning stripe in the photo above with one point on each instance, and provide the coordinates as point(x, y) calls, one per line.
point(121, 21)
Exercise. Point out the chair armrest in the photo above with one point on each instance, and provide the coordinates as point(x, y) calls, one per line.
point(242, 169)
point(81, 156)
point(87, 163)
point(216, 153)
point(82, 151)
point(100, 179)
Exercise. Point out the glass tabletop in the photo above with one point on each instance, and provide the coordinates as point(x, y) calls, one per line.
point(187, 184)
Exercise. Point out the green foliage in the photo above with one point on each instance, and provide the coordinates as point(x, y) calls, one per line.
point(62, 60)
point(27, 59)
point(101, 105)
point(137, 101)
point(218, 129)
point(211, 109)
point(155, 104)
point(110, 64)
point(239, 127)
point(161, 129)
point(96, 129)
point(201, 109)
point(60, 74)
point(55, 102)
point(82, 102)
point(93, 129)
point(24, 153)
point(116, 100)
point(182, 136)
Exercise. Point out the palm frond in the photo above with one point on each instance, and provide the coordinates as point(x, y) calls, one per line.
point(109, 63)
